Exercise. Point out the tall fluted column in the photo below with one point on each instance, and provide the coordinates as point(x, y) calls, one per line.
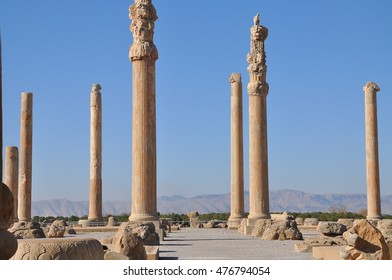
point(143, 55)
point(95, 208)
point(11, 174)
point(372, 163)
point(258, 151)
point(237, 162)
point(25, 157)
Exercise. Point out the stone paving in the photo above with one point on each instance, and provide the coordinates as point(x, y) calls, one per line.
point(220, 244)
point(223, 244)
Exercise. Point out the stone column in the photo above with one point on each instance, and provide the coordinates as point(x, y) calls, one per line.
point(372, 164)
point(25, 157)
point(258, 151)
point(237, 162)
point(11, 174)
point(143, 55)
point(95, 207)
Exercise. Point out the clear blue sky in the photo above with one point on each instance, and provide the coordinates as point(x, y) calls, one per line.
point(319, 55)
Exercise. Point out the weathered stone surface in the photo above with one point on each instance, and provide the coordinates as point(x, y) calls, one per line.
point(282, 217)
point(347, 222)
point(110, 255)
point(111, 222)
point(299, 221)
point(331, 228)
point(258, 147)
point(385, 226)
point(8, 245)
point(311, 222)
point(59, 249)
point(241, 227)
point(71, 230)
point(372, 161)
point(194, 222)
point(11, 174)
point(25, 157)
point(131, 238)
point(221, 225)
point(277, 230)
point(147, 232)
point(6, 207)
point(95, 203)
point(27, 230)
point(152, 252)
point(260, 227)
point(309, 243)
point(365, 242)
point(57, 229)
point(236, 161)
point(211, 224)
point(143, 55)
point(192, 214)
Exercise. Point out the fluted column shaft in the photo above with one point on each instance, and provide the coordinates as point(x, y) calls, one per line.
point(258, 158)
point(143, 55)
point(25, 168)
point(95, 207)
point(372, 162)
point(258, 151)
point(237, 162)
point(11, 174)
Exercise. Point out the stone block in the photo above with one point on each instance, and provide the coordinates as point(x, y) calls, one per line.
point(328, 252)
point(23, 230)
point(311, 222)
point(110, 255)
point(331, 228)
point(347, 222)
point(366, 242)
point(152, 252)
point(57, 229)
point(248, 230)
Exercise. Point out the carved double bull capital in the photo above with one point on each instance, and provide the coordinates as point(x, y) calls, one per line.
point(257, 60)
point(143, 15)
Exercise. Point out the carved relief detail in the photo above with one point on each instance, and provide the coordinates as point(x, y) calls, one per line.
point(61, 249)
point(143, 15)
point(257, 60)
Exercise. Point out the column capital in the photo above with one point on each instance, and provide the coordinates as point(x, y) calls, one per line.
point(235, 78)
point(96, 88)
point(256, 58)
point(12, 151)
point(370, 87)
point(143, 15)
point(258, 88)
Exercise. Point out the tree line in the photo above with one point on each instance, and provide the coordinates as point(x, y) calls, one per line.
point(333, 214)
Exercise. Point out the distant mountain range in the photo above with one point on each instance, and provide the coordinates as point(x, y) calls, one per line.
point(280, 201)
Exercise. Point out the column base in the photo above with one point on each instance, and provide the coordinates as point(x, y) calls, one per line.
point(234, 221)
point(377, 217)
point(142, 218)
point(259, 216)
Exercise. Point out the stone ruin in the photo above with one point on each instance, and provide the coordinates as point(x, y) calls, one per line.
point(280, 227)
point(350, 239)
point(131, 238)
